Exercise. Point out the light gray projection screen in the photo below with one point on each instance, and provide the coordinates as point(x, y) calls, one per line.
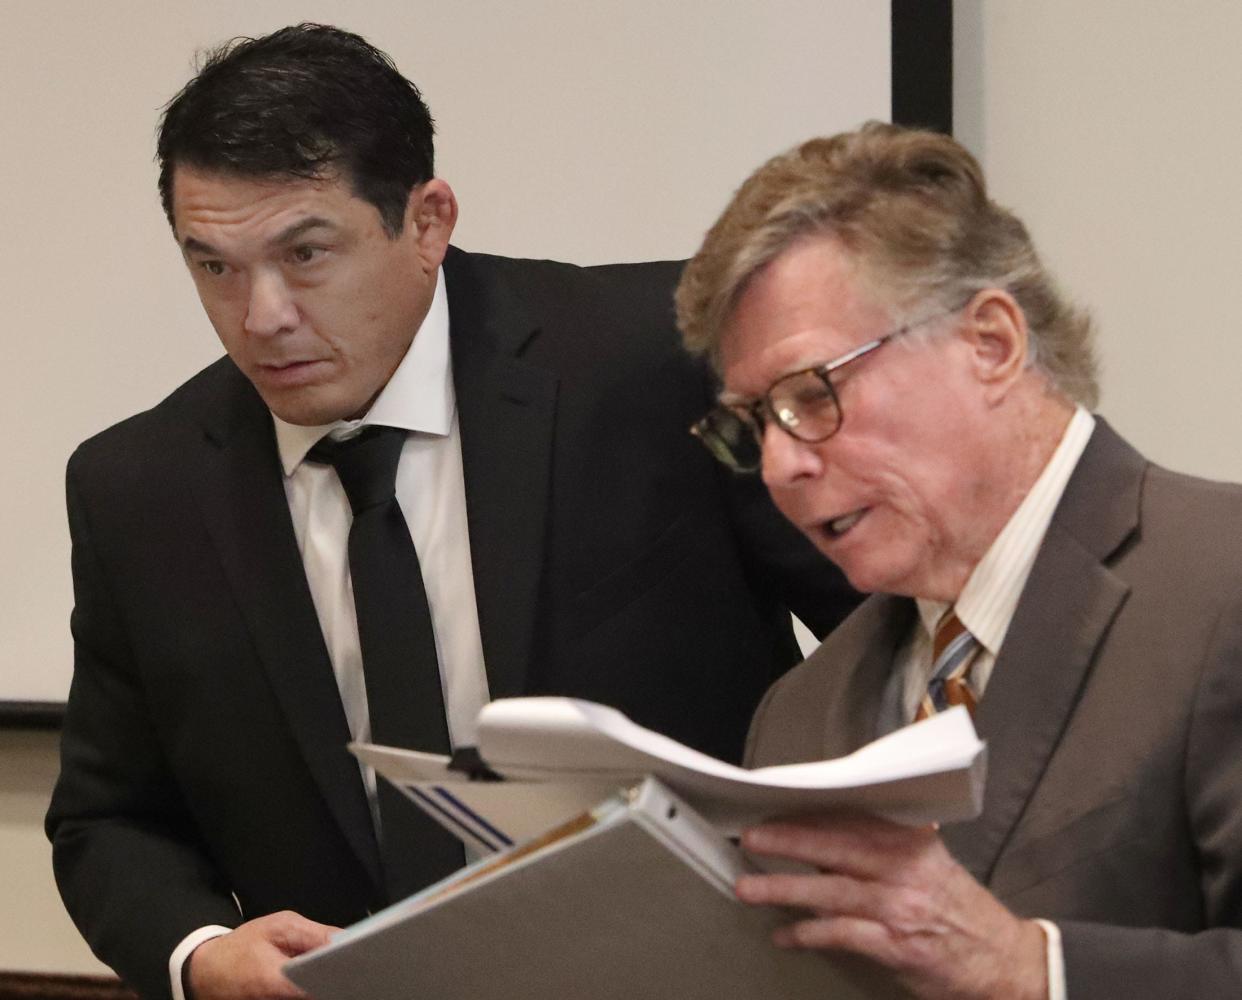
point(585, 131)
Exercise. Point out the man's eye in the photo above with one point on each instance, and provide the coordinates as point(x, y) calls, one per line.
point(810, 394)
point(304, 254)
point(213, 267)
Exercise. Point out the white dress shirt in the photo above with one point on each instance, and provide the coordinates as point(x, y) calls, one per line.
point(431, 491)
point(987, 603)
point(990, 597)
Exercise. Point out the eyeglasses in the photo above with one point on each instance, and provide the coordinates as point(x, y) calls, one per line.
point(804, 404)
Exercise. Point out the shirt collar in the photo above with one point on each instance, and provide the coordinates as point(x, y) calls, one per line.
point(988, 600)
point(418, 397)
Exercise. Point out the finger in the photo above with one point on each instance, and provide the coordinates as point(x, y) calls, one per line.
point(848, 935)
point(902, 909)
point(864, 830)
point(863, 848)
point(298, 940)
point(294, 934)
point(825, 894)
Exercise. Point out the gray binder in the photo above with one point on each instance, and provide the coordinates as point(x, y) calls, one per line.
point(631, 901)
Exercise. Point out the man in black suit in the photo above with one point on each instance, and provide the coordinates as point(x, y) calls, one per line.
point(572, 539)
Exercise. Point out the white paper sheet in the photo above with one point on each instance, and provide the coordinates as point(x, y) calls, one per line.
point(561, 755)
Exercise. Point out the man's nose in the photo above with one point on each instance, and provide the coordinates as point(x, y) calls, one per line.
point(786, 459)
point(271, 308)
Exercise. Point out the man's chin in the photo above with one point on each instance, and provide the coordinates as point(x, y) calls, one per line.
point(869, 578)
point(862, 583)
point(309, 408)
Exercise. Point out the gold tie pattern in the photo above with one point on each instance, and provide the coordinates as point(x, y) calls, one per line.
point(953, 652)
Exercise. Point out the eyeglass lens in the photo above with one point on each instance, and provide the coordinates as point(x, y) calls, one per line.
point(731, 438)
point(805, 406)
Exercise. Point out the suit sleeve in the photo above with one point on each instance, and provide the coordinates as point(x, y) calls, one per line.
point(1107, 962)
point(129, 865)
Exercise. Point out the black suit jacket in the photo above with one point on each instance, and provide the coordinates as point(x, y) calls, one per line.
point(204, 745)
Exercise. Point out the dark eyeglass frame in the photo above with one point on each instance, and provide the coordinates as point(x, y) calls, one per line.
point(751, 418)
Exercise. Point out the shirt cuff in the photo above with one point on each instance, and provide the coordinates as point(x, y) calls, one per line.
point(177, 960)
point(1055, 958)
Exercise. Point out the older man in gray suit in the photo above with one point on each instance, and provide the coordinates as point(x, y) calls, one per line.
point(900, 367)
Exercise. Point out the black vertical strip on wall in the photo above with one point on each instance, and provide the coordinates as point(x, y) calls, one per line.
point(922, 39)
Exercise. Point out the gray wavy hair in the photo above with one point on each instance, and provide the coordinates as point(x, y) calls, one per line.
point(912, 207)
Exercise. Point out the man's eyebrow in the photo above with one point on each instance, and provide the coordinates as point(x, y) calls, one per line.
point(285, 236)
point(191, 245)
point(299, 229)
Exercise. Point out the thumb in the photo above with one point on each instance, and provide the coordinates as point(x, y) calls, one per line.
point(297, 934)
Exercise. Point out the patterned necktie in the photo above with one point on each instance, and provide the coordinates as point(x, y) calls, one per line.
point(400, 667)
point(953, 652)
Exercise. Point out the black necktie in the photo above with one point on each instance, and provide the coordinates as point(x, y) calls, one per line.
point(398, 644)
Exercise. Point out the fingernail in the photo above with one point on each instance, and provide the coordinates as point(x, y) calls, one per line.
point(756, 838)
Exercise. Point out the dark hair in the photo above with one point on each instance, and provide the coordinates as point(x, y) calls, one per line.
point(304, 101)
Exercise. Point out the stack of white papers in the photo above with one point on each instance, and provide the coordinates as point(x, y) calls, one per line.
point(560, 756)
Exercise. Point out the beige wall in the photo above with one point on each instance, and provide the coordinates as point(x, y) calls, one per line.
point(1112, 128)
point(587, 130)
point(35, 932)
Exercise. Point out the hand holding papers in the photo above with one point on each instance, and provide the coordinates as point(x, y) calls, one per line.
point(613, 872)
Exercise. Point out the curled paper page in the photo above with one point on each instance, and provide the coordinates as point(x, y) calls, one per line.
point(560, 755)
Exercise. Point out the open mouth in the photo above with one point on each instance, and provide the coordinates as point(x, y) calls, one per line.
point(838, 526)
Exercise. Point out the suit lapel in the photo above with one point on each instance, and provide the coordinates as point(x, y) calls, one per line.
point(241, 495)
point(868, 639)
point(1067, 607)
point(506, 409)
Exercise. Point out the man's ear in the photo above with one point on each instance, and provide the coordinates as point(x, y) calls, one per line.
point(996, 330)
point(430, 215)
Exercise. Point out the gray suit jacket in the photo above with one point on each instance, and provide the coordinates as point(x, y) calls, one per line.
point(1114, 728)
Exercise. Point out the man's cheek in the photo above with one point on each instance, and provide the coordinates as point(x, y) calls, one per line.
point(793, 504)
